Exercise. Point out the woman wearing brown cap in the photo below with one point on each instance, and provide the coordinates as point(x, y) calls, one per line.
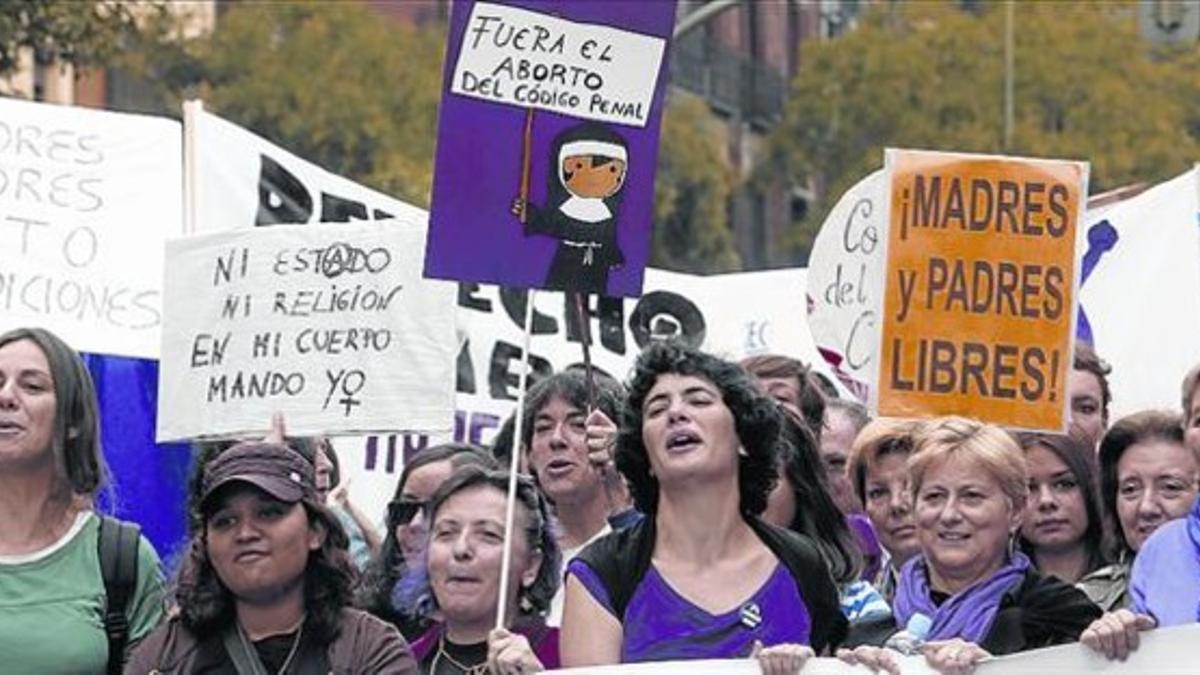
point(267, 583)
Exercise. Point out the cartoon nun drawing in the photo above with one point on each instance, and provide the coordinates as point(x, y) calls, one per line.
point(583, 191)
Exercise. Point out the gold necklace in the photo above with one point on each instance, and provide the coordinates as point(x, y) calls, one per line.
point(477, 669)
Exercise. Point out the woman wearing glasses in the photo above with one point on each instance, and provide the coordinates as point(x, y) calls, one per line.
point(407, 528)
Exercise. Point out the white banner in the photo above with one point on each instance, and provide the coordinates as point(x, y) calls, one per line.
point(87, 198)
point(532, 60)
point(1165, 650)
point(845, 290)
point(332, 326)
point(1141, 292)
point(239, 179)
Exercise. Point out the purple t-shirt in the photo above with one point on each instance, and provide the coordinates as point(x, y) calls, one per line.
point(661, 625)
point(1165, 581)
point(868, 543)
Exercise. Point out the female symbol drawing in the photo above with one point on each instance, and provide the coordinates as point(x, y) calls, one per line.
point(590, 163)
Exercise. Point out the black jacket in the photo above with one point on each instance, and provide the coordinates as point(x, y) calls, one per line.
point(1041, 611)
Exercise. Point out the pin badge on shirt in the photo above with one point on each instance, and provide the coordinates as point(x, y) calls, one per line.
point(751, 615)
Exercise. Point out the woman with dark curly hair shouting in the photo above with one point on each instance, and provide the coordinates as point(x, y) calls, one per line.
point(701, 576)
point(267, 582)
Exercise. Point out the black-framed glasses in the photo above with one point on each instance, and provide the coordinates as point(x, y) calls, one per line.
point(402, 511)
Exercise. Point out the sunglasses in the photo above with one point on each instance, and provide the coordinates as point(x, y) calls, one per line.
point(402, 511)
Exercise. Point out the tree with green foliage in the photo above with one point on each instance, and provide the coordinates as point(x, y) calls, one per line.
point(78, 33)
point(694, 183)
point(931, 76)
point(336, 83)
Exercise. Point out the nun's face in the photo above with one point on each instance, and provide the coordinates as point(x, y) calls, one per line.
point(593, 176)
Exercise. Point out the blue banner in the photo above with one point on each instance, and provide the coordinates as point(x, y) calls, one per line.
point(149, 481)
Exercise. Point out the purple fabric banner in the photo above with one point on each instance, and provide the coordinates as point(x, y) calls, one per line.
point(579, 86)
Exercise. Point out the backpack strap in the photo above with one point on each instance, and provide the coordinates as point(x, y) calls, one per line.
point(118, 548)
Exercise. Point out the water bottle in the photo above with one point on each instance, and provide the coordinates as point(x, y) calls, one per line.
point(910, 640)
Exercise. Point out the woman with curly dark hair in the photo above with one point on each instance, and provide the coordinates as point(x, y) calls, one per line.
point(702, 576)
point(407, 530)
point(267, 581)
point(458, 578)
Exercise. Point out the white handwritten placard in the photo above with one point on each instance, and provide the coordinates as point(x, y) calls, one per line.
point(333, 326)
point(845, 284)
point(87, 198)
point(518, 57)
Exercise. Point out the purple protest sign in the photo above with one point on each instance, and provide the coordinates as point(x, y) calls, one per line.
point(547, 143)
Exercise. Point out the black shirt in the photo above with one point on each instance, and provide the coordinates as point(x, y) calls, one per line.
point(213, 659)
point(451, 658)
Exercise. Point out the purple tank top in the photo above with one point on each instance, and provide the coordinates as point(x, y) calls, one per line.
point(661, 625)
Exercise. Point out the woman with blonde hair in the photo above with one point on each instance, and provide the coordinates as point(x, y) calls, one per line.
point(975, 594)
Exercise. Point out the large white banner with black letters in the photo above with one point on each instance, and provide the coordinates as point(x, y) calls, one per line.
point(239, 179)
point(87, 198)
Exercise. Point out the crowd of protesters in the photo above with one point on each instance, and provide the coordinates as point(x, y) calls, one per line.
point(708, 509)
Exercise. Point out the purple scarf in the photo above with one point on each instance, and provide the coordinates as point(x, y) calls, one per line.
point(1193, 530)
point(967, 614)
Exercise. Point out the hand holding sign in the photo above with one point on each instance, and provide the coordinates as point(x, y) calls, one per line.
point(601, 435)
point(278, 429)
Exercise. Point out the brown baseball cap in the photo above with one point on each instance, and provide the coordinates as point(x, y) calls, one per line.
point(274, 468)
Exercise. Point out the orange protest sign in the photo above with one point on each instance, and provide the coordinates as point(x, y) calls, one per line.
point(979, 294)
